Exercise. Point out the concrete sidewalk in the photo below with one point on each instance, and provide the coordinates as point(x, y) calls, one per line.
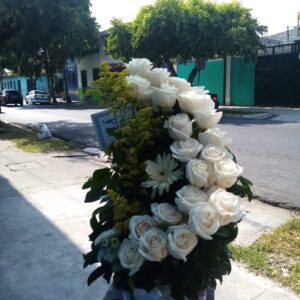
point(45, 225)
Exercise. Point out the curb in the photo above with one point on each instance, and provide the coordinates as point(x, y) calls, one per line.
point(260, 116)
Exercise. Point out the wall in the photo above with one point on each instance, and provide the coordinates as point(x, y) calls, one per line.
point(88, 63)
point(242, 82)
point(242, 79)
point(11, 82)
point(212, 77)
point(42, 83)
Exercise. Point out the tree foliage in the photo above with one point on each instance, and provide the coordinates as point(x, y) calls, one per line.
point(178, 31)
point(46, 33)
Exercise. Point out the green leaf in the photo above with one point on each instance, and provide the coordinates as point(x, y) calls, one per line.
point(87, 184)
point(244, 180)
point(107, 275)
point(89, 258)
point(96, 274)
point(247, 187)
point(94, 195)
point(101, 174)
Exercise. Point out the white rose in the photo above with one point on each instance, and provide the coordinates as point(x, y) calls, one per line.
point(210, 190)
point(153, 245)
point(186, 149)
point(190, 101)
point(214, 136)
point(189, 196)
point(141, 87)
point(165, 96)
point(139, 66)
point(165, 213)
point(180, 83)
point(214, 154)
point(199, 90)
point(228, 205)
point(227, 172)
point(157, 76)
point(204, 220)
point(200, 173)
point(179, 127)
point(138, 225)
point(207, 118)
point(130, 257)
point(181, 243)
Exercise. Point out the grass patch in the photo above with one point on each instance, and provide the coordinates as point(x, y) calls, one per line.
point(240, 112)
point(27, 140)
point(275, 254)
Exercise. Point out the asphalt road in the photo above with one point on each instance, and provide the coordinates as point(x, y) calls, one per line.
point(71, 122)
point(268, 150)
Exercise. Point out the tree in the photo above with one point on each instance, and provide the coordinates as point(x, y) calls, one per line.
point(177, 31)
point(54, 32)
point(119, 40)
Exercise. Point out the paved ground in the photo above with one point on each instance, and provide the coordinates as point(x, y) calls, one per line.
point(44, 227)
point(267, 149)
point(72, 122)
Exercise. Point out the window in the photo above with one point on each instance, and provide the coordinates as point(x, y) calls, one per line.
point(96, 72)
point(83, 79)
point(14, 85)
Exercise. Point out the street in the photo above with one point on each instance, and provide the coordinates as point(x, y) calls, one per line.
point(269, 150)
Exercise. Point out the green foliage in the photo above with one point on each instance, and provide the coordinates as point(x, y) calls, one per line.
point(45, 34)
point(115, 92)
point(275, 254)
point(98, 184)
point(242, 188)
point(119, 40)
point(27, 140)
point(123, 210)
point(177, 31)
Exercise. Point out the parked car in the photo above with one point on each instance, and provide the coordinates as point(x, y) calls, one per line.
point(37, 96)
point(11, 97)
point(215, 98)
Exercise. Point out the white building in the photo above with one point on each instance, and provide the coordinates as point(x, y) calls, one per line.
point(88, 67)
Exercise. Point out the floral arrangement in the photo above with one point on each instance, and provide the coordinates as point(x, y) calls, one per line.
point(171, 199)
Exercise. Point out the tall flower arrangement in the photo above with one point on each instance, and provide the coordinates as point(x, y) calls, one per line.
point(171, 200)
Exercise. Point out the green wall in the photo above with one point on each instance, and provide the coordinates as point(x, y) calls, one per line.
point(242, 82)
point(212, 77)
point(242, 79)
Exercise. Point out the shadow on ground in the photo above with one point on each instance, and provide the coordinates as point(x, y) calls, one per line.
point(81, 135)
point(37, 260)
point(68, 106)
point(246, 122)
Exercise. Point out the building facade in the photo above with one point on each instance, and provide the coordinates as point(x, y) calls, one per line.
point(88, 68)
point(24, 84)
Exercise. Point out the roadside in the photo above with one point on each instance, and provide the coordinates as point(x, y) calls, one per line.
point(279, 114)
point(27, 140)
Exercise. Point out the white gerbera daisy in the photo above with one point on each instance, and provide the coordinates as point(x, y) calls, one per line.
point(162, 174)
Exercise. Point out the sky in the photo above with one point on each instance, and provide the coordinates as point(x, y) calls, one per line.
point(276, 14)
